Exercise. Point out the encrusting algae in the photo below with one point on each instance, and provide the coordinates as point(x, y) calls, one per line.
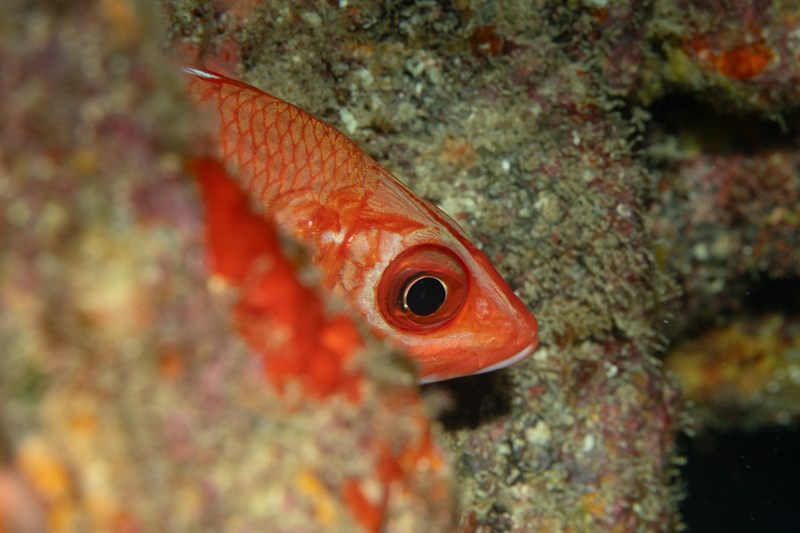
point(130, 400)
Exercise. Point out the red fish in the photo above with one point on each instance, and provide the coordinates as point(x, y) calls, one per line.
point(405, 267)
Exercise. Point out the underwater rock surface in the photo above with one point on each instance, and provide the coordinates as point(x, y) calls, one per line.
point(631, 167)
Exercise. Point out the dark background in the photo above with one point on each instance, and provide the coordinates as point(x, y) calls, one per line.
point(742, 481)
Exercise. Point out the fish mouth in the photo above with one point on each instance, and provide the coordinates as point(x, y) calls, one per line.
point(520, 355)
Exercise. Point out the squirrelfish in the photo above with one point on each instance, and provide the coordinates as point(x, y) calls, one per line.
point(404, 266)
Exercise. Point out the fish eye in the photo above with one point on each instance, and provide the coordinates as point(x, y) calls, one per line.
point(423, 295)
point(422, 288)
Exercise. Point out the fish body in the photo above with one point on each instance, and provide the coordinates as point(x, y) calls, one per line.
point(405, 267)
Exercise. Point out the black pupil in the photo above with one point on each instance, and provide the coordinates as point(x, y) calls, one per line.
point(425, 296)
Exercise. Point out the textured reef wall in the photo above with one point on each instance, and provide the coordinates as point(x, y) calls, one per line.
point(631, 167)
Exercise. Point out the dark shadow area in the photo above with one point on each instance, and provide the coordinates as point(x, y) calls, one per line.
point(474, 400)
point(698, 123)
point(773, 295)
point(741, 481)
point(746, 297)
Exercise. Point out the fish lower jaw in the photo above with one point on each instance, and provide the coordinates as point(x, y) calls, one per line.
point(519, 356)
point(522, 354)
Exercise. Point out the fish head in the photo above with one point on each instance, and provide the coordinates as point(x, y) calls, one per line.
point(453, 312)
